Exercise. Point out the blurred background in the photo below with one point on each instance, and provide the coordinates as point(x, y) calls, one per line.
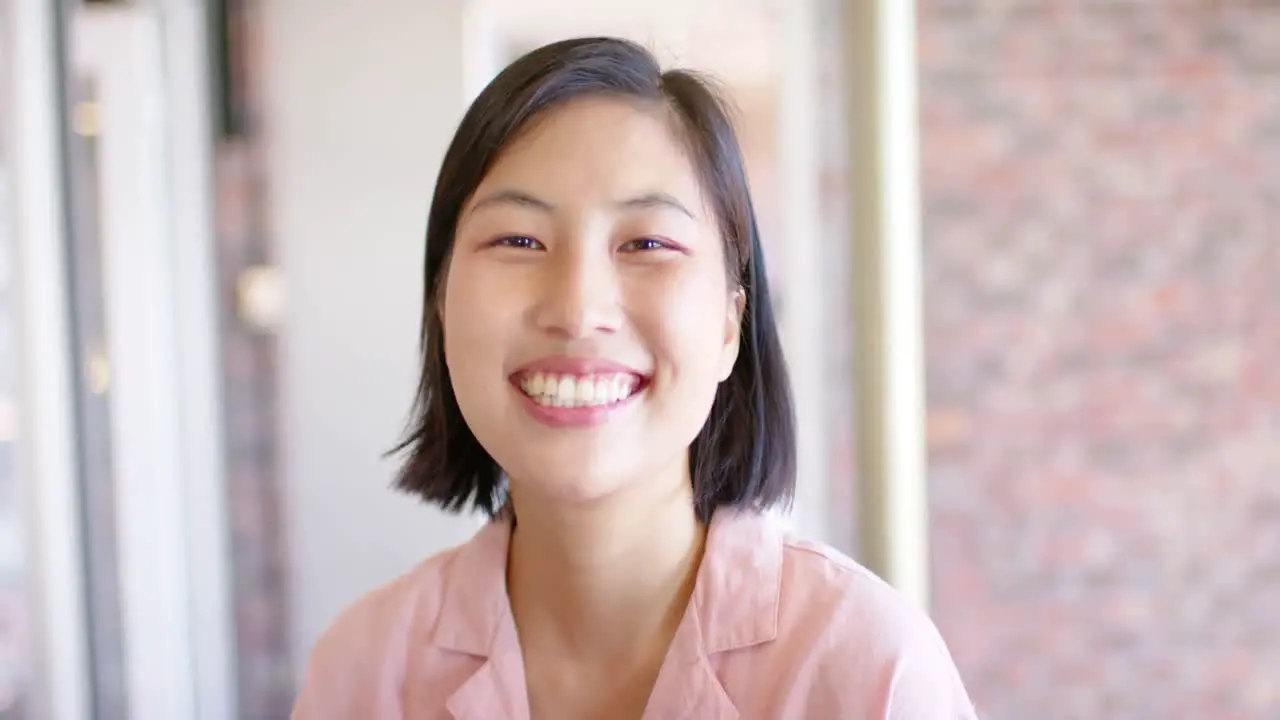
point(1026, 256)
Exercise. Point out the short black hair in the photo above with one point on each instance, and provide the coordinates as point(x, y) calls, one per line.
point(744, 456)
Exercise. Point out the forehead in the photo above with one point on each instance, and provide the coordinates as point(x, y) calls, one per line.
point(599, 149)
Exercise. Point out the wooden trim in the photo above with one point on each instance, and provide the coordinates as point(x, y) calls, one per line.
point(884, 165)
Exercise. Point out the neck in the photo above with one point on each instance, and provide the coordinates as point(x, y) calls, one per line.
point(604, 581)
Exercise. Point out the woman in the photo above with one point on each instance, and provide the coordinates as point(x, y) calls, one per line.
point(602, 375)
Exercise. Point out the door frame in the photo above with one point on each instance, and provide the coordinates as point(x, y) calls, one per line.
point(148, 62)
point(46, 425)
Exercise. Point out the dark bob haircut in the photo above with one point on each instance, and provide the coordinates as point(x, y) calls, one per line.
point(744, 456)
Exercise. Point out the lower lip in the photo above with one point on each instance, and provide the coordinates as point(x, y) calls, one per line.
point(574, 417)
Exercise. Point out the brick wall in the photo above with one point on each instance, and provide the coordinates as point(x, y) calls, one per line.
point(261, 600)
point(836, 280)
point(1102, 193)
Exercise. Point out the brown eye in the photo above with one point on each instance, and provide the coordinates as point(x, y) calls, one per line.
point(645, 244)
point(520, 242)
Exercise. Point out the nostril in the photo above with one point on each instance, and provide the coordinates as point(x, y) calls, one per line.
point(575, 308)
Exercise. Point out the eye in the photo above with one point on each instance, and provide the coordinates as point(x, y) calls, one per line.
point(520, 242)
point(645, 245)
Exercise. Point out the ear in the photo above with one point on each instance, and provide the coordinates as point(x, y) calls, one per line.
point(732, 332)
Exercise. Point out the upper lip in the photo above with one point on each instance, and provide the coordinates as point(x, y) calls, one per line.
point(564, 365)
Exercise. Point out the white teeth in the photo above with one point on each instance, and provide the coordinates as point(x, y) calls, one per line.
point(565, 392)
point(586, 392)
point(579, 390)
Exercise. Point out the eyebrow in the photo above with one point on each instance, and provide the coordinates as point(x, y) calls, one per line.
point(511, 196)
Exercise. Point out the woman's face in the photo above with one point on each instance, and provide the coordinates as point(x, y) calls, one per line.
point(588, 318)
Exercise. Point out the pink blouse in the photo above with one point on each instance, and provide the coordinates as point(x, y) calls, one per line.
point(777, 628)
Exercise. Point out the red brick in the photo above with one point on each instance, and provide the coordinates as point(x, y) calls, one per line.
point(1102, 198)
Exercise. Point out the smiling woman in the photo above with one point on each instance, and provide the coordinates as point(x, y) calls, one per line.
point(623, 271)
point(602, 375)
point(628, 252)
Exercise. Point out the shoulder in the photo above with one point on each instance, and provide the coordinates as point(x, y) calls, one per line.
point(850, 618)
point(819, 582)
point(356, 665)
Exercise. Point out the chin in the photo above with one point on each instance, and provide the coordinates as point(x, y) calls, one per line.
point(573, 494)
point(568, 482)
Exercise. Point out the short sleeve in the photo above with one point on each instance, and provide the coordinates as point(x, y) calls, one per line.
point(338, 680)
point(356, 666)
point(926, 684)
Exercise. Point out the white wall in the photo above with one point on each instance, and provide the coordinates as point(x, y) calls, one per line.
point(362, 99)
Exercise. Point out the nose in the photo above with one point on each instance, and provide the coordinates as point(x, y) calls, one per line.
point(578, 293)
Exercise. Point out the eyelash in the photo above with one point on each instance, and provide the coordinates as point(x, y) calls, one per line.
point(656, 244)
point(519, 242)
point(524, 242)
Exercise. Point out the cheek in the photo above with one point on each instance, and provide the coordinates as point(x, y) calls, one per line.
point(686, 318)
point(471, 313)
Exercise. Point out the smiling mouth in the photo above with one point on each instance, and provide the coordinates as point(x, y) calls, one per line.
point(579, 391)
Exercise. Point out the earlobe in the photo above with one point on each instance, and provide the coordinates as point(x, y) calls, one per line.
point(733, 332)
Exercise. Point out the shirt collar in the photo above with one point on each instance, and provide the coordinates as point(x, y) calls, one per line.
point(735, 598)
point(734, 605)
